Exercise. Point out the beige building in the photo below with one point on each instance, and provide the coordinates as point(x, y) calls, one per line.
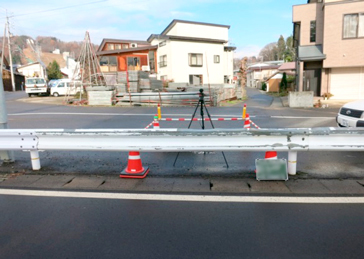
point(329, 36)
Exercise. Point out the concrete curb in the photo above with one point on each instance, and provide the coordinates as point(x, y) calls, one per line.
point(176, 185)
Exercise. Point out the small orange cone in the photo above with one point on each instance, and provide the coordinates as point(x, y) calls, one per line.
point(156, 122)
point(271, 155)
point(247, 122)
point(135, 168)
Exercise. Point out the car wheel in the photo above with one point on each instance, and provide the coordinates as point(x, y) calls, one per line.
point(55, 94)
point(30, 95)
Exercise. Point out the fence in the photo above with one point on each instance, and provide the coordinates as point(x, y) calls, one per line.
point(181, 140)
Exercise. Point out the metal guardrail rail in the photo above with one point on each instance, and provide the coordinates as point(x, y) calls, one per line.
point(183, 140)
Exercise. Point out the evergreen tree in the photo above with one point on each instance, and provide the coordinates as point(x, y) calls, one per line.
point(281, 48)
point(53, 71)
point(284, 84)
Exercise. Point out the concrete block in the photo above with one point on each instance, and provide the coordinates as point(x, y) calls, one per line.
point(85, 182)
point(343, 186)
point(268, 187)
point(52, 181)
point(309, 186)
point(191, 185)
point(229, 186)
point(300, 99)
point(97, 98)
point(20, 181)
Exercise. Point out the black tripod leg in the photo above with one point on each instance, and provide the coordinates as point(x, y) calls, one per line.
point(189, 126)
point(223, 154)
point(175, 161)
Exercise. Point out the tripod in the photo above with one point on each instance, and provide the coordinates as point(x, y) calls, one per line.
point(202, 105)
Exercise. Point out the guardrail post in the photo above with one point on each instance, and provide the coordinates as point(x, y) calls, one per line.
point(292, 162)
point(34, 155)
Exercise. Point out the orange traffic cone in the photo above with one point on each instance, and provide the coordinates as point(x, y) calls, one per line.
point(135, 168)
point(156, 122)
point(271, 155)
point(247, 122)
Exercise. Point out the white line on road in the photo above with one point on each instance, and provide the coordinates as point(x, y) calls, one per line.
point(186, 198)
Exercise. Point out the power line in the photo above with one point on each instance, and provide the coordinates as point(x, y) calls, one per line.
point(56, 9)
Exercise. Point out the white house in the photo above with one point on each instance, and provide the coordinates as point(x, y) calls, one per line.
point(31, 70)
point(194, 53)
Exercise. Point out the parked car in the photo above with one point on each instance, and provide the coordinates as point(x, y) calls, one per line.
point(35, 86)
point(64, 87)
point(351, 115)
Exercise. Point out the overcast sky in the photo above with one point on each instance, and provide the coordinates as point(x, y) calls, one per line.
point(254, 23)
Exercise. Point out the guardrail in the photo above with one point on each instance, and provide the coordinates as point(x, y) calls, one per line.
point(182, 140)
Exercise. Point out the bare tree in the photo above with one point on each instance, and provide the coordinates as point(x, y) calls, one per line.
point(269, 52)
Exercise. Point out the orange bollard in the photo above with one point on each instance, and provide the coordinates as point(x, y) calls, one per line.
point(244, 111)
point(159, 112)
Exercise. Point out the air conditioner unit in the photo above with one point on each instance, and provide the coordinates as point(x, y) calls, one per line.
point(133, 45)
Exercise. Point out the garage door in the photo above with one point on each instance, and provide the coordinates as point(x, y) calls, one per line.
point(347, 83)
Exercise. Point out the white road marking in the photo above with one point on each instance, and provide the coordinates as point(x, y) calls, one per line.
point(186, 198)
point(301, 117)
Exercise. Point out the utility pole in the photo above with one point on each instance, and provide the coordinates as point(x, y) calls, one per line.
point(6, 156)
point(10, 58)
point(2, 51)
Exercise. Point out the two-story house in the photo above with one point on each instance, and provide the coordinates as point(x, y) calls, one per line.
point(194, 52)
point(121, 55)
point(329, 36)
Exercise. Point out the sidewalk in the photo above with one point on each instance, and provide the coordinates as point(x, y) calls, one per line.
point(209, 186)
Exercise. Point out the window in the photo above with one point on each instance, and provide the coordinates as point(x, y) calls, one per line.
point(196, 80)
point(117, 46)
point(313, 31)
point(110, 46)
point(133, 63)
point(216, 58)
point(125, 46)
point(353, 26)
point(163, 61)
point(195, 60)
point(108, 63)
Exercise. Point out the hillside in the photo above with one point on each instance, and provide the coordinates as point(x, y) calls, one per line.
point(22, 53)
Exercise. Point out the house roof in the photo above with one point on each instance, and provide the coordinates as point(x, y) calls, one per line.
point(118, 51)
point(174, 22)
point(183, 38)
point(279, 75)
point(27, 65)
point(311, 53)
point(288, 66)
point(260, 68)
point(120, 41)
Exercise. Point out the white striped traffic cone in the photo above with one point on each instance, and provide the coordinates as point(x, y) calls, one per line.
point(156, 122)
point(135, 168)
point(247, 122)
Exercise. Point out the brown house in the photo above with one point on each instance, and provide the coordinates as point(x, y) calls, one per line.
point(19, 79)
point(121, 55)
point(329, 36)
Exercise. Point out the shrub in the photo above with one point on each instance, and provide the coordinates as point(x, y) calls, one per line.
point(264, 86)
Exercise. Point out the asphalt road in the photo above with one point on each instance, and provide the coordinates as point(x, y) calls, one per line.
point(49, 227)
point(35, 113)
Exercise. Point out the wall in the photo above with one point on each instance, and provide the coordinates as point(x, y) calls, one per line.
point(305, 14)
point(180, 64)
point(29, 71)
point(199, 31)
point(341, 52)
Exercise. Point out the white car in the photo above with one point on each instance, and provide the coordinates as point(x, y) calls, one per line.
point(64, 87)
point(351, 115)
point(35, 86)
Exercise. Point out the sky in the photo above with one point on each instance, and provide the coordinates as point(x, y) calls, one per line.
point(254, 23)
